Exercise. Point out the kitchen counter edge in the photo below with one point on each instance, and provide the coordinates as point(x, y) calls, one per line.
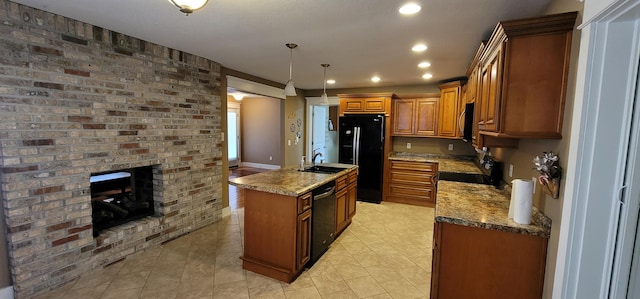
point(290, 181)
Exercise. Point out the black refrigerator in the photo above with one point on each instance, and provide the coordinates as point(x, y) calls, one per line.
point(361, 142)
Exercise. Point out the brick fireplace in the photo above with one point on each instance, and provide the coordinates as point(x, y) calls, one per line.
point(77, 100)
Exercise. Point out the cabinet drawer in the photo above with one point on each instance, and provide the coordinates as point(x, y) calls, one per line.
point(341, 182)
point(410, 192)
point(413, 166)
point(414, 179)
point(304, 202)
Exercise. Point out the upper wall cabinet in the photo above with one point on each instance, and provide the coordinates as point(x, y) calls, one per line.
point(415, 115)
point(365, 103)
point(522, 78)
point(450, 110)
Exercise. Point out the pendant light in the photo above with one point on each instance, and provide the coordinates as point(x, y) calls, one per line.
point(325, 98)
point(189, 6)
point(289, 89)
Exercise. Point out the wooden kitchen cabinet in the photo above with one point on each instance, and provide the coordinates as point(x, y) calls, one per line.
point(413, 183)
point(473, 75)
point(365, 103)
point(523, 77)
point(415, 115)
point(303, 240)
point(277, 237)
point(471, 262)
point(346, 196)
point(449, 110)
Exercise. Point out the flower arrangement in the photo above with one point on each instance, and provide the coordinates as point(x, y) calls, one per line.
point(550, 172)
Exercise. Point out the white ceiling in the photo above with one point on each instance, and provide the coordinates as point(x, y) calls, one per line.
point(358, 38)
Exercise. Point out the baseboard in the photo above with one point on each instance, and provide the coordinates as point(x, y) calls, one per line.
point(259, 165)
point(225, 212)
point(6, 292)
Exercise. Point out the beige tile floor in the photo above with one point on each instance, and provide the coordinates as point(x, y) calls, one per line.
point(384, 253)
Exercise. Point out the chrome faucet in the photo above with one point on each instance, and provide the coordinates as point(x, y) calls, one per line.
point(315, 155)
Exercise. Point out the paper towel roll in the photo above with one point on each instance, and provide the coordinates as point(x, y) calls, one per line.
point(521, 201)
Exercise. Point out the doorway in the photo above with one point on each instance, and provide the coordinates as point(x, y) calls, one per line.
point(324, 134)
point(322, 129)
point(233, 133)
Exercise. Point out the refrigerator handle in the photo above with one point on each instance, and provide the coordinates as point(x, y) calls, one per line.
point(356, 156)
point(354, 147)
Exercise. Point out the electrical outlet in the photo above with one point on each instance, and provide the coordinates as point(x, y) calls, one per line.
point(289, 141)
point(270, 158)
point(408, 145)
point(450, 146)
point(510, 170)
point(535, 181)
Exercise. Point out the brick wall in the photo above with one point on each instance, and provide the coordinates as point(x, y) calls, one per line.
point(77, 99)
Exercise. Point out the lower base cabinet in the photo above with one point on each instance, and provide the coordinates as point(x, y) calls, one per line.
point(471, 262)
point(277, 234)
point(346, 196)
point(412, 183)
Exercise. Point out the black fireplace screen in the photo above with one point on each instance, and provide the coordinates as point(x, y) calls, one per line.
point(118, 197)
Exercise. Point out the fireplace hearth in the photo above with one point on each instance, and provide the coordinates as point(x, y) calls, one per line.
point(121, 196)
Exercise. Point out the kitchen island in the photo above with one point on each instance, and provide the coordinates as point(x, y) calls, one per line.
point(479, 252)
point(278, 213)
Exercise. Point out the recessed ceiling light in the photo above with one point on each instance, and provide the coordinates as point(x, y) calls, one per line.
point(375, 79)
point(419, 48)
point(427, 76)
point(424, 64)
point(409, 9)
point(331, 81)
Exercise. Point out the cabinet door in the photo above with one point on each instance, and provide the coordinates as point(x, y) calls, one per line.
point(472, 86)
point(303, 241)
point(352, 105)
point(448, 112)
point(426, 116)
point(492, 76)
point(374, 104)
point(341, 210)
point(352, 197)
point(403, 117)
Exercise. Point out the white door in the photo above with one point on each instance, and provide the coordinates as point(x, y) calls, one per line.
point(233, 131)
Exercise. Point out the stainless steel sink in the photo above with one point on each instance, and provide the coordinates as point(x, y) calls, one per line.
point(323, 169)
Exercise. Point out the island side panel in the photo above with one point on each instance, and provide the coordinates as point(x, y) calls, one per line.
point(270, 235)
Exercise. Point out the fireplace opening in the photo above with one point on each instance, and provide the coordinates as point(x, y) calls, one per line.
point(118, 197)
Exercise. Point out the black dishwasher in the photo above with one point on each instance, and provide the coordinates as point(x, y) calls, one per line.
point(323, 219)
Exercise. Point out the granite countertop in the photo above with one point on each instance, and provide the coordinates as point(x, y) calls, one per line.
point(483, 206)
point(290, 181)
point(463, 164)
point(474, 205)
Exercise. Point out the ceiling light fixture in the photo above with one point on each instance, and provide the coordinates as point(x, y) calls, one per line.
point(325, 98)
point(419, 48)
point(409, 9)
point(189, 6)
point(238, 96)
point(424, 64)
point(331, 81)
point(289, 89)
point(375, 79)
point(427, 76)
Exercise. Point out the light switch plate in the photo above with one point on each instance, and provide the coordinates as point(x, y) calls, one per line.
point(510, 170)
